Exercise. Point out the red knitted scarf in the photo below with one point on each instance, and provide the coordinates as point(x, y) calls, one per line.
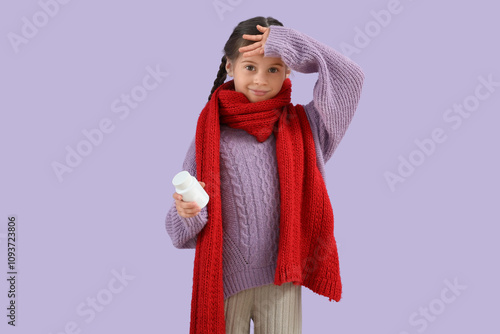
point(307, 252)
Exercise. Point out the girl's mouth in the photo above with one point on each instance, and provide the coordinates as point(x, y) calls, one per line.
point(258, 92)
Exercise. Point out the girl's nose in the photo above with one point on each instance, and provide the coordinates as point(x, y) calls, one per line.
point(259, 78)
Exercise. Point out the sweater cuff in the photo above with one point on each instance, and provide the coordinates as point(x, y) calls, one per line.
point(197, 222)
point(276, 41)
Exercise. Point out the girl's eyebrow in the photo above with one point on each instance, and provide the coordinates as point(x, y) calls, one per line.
point(249, 61)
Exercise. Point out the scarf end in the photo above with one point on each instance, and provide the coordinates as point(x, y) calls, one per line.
point(330, 287)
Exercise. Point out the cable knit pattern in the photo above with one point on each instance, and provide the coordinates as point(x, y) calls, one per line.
point(249, 176)
point(268, 231)
point(238, 180)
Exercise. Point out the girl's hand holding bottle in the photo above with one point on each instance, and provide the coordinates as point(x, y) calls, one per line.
point(186, 209)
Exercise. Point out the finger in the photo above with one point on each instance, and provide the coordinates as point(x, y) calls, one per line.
point(257, 37)
point(185, 206)
point(181, 209)
point(190, 212)
point(188, 205)
point(244, 49)
point(261, 28)
point(250, 47)
point(252, 53)
point(252, 37)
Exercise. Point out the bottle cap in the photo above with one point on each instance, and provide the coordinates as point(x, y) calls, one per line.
point(182, 180)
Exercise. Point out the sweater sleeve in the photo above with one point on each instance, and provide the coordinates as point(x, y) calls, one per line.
point(183, 231)
point(337, 91)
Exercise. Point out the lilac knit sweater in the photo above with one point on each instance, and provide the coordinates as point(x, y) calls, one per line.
point(248, 169)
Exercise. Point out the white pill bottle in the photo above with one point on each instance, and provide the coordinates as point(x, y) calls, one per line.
point(190, 189)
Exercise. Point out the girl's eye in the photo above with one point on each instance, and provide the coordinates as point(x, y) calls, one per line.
point(273, 69)
point(251, 66)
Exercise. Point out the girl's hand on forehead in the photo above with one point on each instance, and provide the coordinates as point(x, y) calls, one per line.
point(260, 41)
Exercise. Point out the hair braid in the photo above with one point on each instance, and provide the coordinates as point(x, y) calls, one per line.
point(221, 76)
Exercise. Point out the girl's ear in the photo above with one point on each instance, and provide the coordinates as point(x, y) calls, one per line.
point(287, 72)
point(229, 68)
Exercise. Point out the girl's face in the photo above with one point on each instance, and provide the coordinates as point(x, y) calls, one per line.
point(259, 78)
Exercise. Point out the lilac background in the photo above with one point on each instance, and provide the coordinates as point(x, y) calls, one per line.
point(397, 248)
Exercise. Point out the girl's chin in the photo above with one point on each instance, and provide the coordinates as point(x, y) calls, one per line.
point(255, 99)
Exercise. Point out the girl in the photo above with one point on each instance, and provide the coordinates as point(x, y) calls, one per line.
point(268, 227)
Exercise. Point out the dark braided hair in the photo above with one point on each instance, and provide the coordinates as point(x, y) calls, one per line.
point(236, 41)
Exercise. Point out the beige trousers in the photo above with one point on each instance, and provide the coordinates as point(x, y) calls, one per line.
point(274, 309)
